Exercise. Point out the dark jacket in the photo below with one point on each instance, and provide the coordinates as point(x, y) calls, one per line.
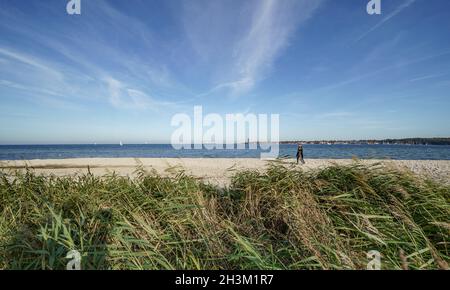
point(299, 152)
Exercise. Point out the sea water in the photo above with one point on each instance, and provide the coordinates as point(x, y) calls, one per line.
point(395, 152)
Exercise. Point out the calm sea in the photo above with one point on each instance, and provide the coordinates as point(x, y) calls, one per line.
point(399, 152)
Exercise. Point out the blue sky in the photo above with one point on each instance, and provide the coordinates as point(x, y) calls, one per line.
point(122, 69)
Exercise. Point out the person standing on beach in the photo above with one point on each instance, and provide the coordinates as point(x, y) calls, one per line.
point(300, 154)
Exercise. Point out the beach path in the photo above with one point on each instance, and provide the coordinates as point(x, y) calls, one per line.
point(215, 170)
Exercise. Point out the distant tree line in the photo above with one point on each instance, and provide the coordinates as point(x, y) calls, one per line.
point(422, 141)
point(406, 141)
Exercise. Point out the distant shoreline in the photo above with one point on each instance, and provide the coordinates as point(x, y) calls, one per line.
point(404, 141)
point(446, 142)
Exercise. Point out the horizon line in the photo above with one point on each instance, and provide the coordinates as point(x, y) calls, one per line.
point(281, 141)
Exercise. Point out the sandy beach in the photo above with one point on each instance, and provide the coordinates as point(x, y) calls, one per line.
point(216, 171)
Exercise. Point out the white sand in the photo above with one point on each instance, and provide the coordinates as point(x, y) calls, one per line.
point(214, 170)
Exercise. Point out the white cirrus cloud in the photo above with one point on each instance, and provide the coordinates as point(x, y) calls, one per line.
point(244, 42)
point(388, 17)
point(30, 61)
point(272, 25)
point(123, 96)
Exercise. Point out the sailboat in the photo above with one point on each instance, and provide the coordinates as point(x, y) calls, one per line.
point(121, 144)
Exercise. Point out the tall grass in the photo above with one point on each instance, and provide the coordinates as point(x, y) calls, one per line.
point(282, 218)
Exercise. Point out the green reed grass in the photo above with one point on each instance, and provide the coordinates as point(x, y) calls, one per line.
point(282, 218)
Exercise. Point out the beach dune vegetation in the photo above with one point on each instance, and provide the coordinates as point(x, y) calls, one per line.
point(280, 218)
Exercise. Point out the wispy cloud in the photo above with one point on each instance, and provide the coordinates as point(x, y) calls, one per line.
point(86, 59)
point(122, 96)
point(271, 27)
point(43, 96)
point(388, 17)
point(334, 115)
point(261, 38)
point(43, 79)
point(268, 34)
point(426, 77)
point(384, 69)
point(28, 60)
